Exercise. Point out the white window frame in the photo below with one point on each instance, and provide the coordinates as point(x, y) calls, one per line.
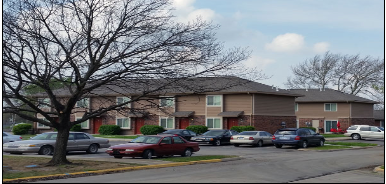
point(167, 98)
point(129, 120)
point(45, 101)
point(206, 122)
point(327, 131)
point(167, 128)
point(212, 105)
point(124, 99)
point(87, 122)
point(336, 105)
point(88, 103)
point(42, 126)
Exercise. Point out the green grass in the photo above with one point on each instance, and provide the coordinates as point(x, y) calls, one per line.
point(383, 167)
point(351, 144)
point(117, 136)
point(329, 147)
point(195, 158)
point(333, 135)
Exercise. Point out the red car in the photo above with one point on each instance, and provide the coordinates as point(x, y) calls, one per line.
point(154, 145)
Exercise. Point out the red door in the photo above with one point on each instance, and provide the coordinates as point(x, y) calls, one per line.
point(139, 122)
point(232, 122)
point(184, 122)
point(97, 124)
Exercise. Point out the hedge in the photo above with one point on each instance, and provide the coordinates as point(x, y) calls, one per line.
point(242, 128)
point(151, 129)
point(76, 128)
point(312, 128)
point(198, 129)
point(21, 129)
point(109, 130)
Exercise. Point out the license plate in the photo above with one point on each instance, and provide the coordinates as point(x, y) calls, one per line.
point(284, 138)
point(240, 138)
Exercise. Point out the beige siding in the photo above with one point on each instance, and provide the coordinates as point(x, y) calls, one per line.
point(360, 110)
point(194, 103)
point(150, 106)
point(274, 105)
point(316, 110)
point(238, 103)
point(213, 111)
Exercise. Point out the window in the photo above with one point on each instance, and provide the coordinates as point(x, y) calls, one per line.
point(43, 102)
point(374, 129)
point(42, 125)
point(123, 123)
point(167, 140)
point(167, 102)
point(167, 122)
point(213, 100)
point(83, 103)
point(178, 140)
point(331, 124)
point(84, 124)
point(364, 129)
point(121, 100)
point(330, 107)
point(296, 106)
point(213, 122)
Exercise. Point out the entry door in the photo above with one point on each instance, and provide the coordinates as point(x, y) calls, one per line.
point(329, 125)
point(184, 122)
point(232, 122)
point(139, 122)
point(97, 124)
point(315, 124)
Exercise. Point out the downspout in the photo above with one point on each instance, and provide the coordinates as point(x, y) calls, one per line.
point(253, 109)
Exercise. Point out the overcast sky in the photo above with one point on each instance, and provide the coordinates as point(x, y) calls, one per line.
point(284, 33)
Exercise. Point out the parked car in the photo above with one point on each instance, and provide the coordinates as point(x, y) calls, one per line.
point(7, 137)
point(301, 137)
point(254, 138)
point(357, 132)
point(44, 144)
point(154, 145)
point(186, 134)
point(215, 137)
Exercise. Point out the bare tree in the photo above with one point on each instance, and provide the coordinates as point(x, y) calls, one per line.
point(100, 43)
point(351, 74)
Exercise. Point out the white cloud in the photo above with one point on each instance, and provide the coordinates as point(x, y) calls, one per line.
point(185, 11)
point(289, 42)
point(257, 61)
point(321, 47)
point(204, 14)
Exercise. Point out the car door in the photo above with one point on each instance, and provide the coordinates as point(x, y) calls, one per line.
point(165, 147)
point(82, 141)
point(267, 137)
point(179, 146)
point(376, 133)
point(226, 137)
point(314, 137)
point(71, 144)
point(364, 131)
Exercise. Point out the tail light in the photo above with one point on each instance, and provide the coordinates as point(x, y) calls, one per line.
point(297, 138)
point(273, 137)
point(21, 137)
point(232, 138)
point(251, 138)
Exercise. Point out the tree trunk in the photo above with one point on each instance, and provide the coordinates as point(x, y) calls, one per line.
point(60, 151)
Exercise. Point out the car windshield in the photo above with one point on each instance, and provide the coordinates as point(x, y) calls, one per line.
point(45, 136)
point(213, 133)
point(247, 133)
point(381, 128)
point(171, 132)
point(146, 140)
point(285, 132)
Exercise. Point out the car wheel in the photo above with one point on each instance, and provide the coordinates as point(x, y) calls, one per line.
point(259, 144)
point(93, 148)
point(304, 144)
point(117, 156)
point(45, 150)
point(278, 145)
point(356, 136)
point(187, 152)
point(217, 143)
point(321, 142)
point(147, 154)
point(236, 145)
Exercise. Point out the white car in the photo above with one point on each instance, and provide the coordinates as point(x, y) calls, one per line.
point(357, 132)
point(254, 138)
point(7, 137)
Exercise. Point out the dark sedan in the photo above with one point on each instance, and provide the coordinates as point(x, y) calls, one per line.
point(215, 137)
point(186, 134)
point(154, 145)
point(300, 137)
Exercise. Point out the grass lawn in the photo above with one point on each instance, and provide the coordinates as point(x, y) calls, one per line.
point(18, 167)
point(333, 135)
point(341, 145)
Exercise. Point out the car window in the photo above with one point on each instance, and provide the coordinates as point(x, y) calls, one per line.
point(374, 129)
point(213, 133)
point(268, 134)
point(192, 133)
point(152, 140)
point(352, 128)
point(262, 134)
point(312, 132)
point(381, 128)
point(185, 132)
point(5, 134)
point(307, 132)
point(247, 133)
point(71, 137)
point(52, 136)
point(139, 139)
point(81, 136)
point(167, 140)
point(227, 133)
point(178, 140)
point(234, 132)
point(364, 129)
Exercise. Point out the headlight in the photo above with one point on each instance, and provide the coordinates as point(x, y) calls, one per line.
point(109, 149)
point(193, 138)
point(129, 150)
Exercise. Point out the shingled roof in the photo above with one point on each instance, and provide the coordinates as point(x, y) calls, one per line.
point(328, 95)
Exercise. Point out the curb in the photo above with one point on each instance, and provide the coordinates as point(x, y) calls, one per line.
point(379, 170)
point(106, 171)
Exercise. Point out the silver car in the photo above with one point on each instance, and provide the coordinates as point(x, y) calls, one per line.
point(7, 137)
point(255, 138)
point(44, 144)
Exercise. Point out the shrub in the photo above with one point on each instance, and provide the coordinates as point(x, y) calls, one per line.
point(76, 128)
point(151, 129)
point(198, 129)
point(109, 130)
point(312, 128)
point(242, 128)
point(21, 129)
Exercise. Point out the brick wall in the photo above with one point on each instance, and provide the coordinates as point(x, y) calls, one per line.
point(363, 121)
point(272, 123)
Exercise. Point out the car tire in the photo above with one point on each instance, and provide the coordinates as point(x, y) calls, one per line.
point(321, 142)
point(303, 144)
point(236, 145)
point(148, 154)
point(259, 144)
point(117, 156)
point(187, 153)
point(278, 145)
point(93, 148)
point(217, 143)
point(356, 136)
point(46, 150)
